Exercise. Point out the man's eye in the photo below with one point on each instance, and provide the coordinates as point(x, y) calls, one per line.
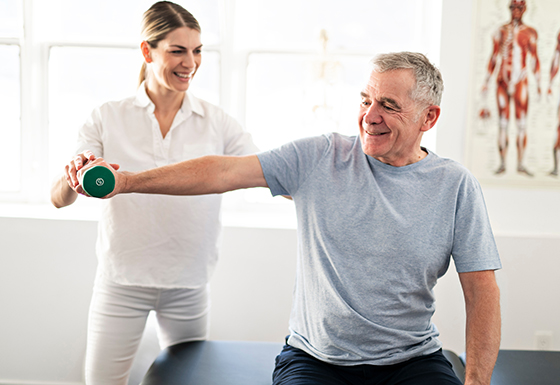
point(197, 51)
point(366, 103)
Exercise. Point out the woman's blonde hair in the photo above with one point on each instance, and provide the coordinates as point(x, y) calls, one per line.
point(163, 17)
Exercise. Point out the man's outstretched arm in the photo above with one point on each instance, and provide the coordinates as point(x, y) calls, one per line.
point(206, 175)
point(482, 300)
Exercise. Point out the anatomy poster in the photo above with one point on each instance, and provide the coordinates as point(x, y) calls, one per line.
point(514, 122)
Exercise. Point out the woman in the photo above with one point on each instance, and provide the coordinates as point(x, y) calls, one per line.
point(155, 252)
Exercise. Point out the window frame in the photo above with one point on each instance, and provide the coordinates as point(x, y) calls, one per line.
point(34, 93)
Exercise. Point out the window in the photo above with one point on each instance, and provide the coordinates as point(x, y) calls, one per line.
point(285, 70)
point(11, 30)
point(304, 64)
point(10, 144)
point(11, 19)
point(73, 92)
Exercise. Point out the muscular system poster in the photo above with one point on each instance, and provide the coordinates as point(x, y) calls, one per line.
point(513, 119)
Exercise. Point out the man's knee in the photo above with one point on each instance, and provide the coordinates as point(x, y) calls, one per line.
point(433, 369)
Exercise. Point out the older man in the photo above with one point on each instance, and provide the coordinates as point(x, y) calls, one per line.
point(378, 219)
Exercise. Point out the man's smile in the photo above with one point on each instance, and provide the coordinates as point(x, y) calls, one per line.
point(370, 133)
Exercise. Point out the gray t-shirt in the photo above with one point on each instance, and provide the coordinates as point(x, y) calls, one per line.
point(373, 241)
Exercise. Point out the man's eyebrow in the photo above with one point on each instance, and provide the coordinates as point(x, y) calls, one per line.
point(364, 95)
point(390, 102)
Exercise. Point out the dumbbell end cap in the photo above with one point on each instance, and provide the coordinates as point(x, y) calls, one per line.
point(98, 181)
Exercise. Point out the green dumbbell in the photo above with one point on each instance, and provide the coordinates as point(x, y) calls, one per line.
point(98, 181)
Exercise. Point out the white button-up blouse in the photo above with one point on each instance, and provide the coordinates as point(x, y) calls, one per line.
point(156, 240)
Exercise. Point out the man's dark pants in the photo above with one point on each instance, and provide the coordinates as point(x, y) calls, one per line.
point(295, 367)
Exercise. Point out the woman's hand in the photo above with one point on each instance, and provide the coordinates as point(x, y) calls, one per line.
point(75, 165)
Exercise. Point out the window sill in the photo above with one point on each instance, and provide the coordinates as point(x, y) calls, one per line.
point(91, 212)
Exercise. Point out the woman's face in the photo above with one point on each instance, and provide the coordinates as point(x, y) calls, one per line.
point(175, 60)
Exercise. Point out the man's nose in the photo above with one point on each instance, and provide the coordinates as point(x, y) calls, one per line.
point(372, 115)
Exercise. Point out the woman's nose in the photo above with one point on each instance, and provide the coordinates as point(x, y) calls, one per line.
point(188, 61)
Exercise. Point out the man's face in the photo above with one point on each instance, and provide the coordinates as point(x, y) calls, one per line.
point(390, 122)
point(517, 9)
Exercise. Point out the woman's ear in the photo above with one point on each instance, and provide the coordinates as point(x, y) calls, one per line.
point(145, 48)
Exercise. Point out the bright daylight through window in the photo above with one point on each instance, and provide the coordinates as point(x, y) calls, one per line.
point(284, 70)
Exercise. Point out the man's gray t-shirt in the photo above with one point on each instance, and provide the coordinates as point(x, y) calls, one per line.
point(373, 241)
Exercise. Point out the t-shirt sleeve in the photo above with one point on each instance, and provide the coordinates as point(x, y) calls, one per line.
point(474, 247)
point(287, 167)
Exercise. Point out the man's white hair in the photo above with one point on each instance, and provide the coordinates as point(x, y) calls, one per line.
point(429, 83)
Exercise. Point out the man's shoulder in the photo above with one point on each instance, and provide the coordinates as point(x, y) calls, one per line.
point(313, 149)
point(332, 140)
point(449, 167)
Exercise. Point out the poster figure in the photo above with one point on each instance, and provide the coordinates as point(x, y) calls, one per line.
point(553, 72)
point(515, 43)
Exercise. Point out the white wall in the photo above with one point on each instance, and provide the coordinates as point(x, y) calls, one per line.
point(526, 222)
point(47, 266)
point(47, 270)
point(46, 275)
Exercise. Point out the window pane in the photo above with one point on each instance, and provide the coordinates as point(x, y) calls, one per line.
point(113, 21)
point(11, 21)
point(207, 81)
point(79, 80)
point(10, 129)
point(374, 25)
point(82, 78)
point(295, 96)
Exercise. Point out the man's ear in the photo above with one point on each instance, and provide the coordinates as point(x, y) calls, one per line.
point(430, 117)
point(145, 48)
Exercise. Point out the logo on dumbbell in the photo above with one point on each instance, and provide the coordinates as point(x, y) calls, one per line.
point(99, 182)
